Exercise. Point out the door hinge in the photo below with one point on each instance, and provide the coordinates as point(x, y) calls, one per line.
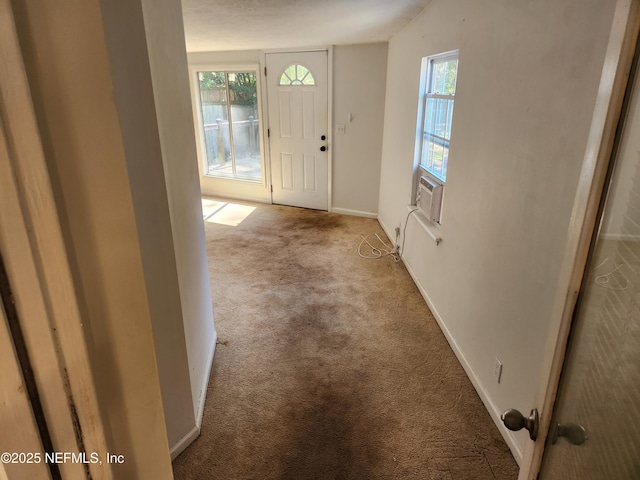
point(265, 71)
point(271, 188)
point(268, 133)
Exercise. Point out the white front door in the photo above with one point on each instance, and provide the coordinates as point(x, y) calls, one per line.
point(297, 94)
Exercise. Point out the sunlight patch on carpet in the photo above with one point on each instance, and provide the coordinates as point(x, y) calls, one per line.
point(209, 207)
point(225, 213)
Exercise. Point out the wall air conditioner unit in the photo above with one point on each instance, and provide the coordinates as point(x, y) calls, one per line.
point(429, 198)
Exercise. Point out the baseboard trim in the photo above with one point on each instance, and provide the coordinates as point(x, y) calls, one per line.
point(185, 441)
point(624, 237)
point(384, 227)
point(205, 382)
point(232, 196)
point(355, 213)
point(493, 410)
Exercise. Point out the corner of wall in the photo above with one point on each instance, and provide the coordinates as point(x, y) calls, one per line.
point(171, 90)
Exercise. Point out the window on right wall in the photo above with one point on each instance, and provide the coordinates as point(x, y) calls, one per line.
point(437, 94)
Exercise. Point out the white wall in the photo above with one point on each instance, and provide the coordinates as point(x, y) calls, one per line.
point(137, 115)
point(527, 81)
point(168, 63)
point(359, 81)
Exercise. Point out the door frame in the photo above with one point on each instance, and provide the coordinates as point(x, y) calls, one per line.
point(39, 272)
point(605, 129)
point(263, 65)
point(21, 432)
point(228, 186)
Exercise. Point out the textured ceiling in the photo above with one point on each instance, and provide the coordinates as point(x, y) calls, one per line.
point(218, 25)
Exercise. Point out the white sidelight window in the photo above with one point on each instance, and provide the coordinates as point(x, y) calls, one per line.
point(230, 124)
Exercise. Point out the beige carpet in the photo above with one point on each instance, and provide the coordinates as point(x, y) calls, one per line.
point(328, 365)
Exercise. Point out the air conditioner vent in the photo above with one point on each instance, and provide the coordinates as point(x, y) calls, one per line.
point(429, 198)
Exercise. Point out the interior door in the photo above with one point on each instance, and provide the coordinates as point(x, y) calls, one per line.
point(594, 432)
point(297, 95)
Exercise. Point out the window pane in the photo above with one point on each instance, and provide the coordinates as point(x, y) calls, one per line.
point(296, 75)
point(438, 78)
point(441, 124)
point(439, 113)
point(213, 98)
point(430, 114)
point(443, 77)
point(435, 156)
point(427, 153)
point(284, 79)
point(443, 164)
point(246, 129)
point(442, 113)
point(308, 79)
point(449, 118)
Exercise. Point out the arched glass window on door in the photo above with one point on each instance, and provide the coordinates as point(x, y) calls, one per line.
point(297, 75)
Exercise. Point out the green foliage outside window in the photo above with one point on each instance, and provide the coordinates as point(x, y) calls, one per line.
point(242, 86)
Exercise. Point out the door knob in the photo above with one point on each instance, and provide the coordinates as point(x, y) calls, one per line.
point(323, 148)
point(515, 421)
point(574, 433)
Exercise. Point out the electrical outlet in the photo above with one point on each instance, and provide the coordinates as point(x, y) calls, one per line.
point(340, 129)
point(497, 369)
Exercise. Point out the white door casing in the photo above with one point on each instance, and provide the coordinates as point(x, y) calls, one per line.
point(38, 270)
point(20, 439)
point(298, 119)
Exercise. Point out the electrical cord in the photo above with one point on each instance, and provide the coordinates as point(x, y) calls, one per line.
point(404, 230)
point(604, 280)
point(376, 251)
point(384, 250)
